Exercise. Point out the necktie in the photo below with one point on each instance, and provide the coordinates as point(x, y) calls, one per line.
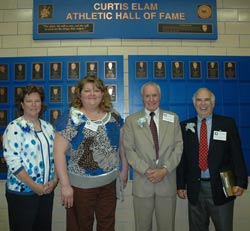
point(203, 148)
point(153, 129)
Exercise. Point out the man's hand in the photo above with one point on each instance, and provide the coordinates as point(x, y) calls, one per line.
point(182, 193)
point(156, 175)
point(237, 191)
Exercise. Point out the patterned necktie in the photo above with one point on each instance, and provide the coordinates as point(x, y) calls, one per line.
point(153, 129)
point(203, 148)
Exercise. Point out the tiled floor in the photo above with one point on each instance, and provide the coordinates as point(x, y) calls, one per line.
point(125, 218)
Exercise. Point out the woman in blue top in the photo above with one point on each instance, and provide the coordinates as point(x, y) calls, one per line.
point(90, 132)
point(28, 150)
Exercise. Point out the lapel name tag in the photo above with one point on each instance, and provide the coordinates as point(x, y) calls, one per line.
point(91, 126)
point(219, 135)
point(168, 117)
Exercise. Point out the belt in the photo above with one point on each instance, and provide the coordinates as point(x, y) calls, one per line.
point(205, 179)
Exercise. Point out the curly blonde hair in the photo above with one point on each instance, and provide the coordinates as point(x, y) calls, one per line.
point(105, 105)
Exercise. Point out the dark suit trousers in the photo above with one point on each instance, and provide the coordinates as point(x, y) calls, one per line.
point(199, 215)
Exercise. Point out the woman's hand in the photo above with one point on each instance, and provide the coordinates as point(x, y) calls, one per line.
point(67, 196)
point(50, 186)
point(124, 176)
point(38, 189)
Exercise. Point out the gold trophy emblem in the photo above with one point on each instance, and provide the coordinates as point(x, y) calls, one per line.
point(204, 11)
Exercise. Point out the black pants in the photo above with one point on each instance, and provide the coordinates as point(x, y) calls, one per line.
point(30, 212)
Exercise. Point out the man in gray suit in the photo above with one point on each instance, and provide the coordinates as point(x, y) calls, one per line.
point(154, 187)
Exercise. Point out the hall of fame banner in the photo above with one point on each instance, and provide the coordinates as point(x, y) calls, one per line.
point(170, 19)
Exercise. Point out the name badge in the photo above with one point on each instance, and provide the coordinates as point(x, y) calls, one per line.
point(91, 126)
point(219, 135)
point(168, 117)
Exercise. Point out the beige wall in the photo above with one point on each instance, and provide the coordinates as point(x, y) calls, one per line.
point(233, 39)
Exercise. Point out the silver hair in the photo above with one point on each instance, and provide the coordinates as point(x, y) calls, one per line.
point(201, 89)
point(151, 84)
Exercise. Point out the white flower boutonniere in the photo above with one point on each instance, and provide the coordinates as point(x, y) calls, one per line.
point(141, 121)
point(190, 126)
point(26, 125)
point(77, 117)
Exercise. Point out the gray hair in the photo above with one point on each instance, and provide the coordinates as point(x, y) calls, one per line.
point(150, 84)
point(201, 89)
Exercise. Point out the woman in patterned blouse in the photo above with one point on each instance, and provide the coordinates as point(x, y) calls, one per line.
point(91, 134)
point(28, 150)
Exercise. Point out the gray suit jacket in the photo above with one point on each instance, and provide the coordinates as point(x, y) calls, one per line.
point(139, 150)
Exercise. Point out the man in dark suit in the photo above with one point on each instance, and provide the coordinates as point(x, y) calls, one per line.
point(154, 187)
point(203, 188)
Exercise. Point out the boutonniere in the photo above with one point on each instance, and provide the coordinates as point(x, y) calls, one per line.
point(25, 125)
point(77, 117)
point(190, 126)
point(141, 121)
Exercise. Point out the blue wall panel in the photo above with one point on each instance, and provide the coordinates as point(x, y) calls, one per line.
point(11, 80)
point(230, 82)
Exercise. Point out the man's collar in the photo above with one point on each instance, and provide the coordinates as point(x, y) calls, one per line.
point(148, 112)
point(207, 118)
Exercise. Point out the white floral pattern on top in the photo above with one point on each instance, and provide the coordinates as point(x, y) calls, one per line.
point(23, 150)
point(26, 125)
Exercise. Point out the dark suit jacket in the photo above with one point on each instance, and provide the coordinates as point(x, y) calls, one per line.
point(222, 154)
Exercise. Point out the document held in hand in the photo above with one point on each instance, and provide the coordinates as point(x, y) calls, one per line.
point(228, 181)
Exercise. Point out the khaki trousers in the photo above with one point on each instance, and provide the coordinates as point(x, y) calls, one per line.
point(163, 208)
